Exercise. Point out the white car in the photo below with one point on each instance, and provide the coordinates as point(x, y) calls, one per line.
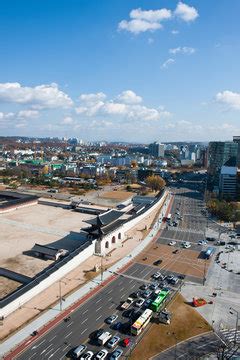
point(113, 342)
point(157, 275)
point(88, 356)
point(186, 244)
point(102, 354)
point(172, 243)
point(202, 242)
point(140, 302)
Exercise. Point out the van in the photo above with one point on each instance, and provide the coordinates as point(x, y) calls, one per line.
point(78, 351)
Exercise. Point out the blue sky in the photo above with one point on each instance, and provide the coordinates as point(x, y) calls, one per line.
point(120, 70)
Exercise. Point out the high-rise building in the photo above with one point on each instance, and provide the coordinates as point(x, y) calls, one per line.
point(236, 139)
point(220, 153)
point(228, 182)
point(156, 149)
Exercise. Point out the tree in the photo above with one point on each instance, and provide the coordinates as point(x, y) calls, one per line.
point(155, 182)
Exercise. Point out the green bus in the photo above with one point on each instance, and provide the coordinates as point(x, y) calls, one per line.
point(155, 305)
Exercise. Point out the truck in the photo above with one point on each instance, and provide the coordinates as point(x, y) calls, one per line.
point(104, 338)
point(127, 303)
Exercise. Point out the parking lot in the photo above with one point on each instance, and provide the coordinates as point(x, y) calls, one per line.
point(91, 316)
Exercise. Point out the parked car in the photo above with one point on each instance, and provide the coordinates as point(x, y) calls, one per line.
point(156, 275)
point(111, 319)
point(157, 262)
point(116, 354)
point(202, 242)
point(113, 341)
point(102, 354)
point(87, 356)
point(153, 286)
point(96, 334)
point(169, 278)
point(186, 244)
point(140, 302)
point(174, 281)
point(147, 294)
point(135, 294)
point(172, 243)
point(126, 342)
point(117, 326)
point(144, 287)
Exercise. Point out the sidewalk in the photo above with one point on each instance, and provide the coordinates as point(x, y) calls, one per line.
point(130, 250)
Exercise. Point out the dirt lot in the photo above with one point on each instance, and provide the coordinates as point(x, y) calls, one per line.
point(7, 286)
point(160, 337)
point(118, 195)
point(185, 261)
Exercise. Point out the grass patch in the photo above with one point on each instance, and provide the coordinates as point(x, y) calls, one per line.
point(186, 323)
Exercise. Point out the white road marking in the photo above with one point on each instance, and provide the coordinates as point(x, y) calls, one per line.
point(110, 291)
point(84, 320)
point(83, 331)
point(98, 309)
point(52, 338)
point(32, 356)
point(99, 300)
point(99, 317)
point(46, 349)
point(65, 348)
point(53, 353)
point(49, 351)
point(110, 299)
point(110, 307)
point(133, 287)
point(70, 324)
point(85, 311)
point(121, 289)
point(36, 346)
point(68, 335)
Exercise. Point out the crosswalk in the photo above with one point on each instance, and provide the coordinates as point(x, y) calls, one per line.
point(231, 336)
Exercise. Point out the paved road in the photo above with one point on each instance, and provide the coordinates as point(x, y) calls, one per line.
point(89, 317)
point(192, 349)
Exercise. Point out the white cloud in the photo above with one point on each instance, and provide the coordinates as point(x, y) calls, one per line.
point(151, 20)
point(182, 50)
point(126, 105)
point(41, 96)
point(229, 98)
point(175, 32)
point(5, 116)
point(166, 63)
point(28, 114)
point(129, 97)
point(137, 26)
point(92, 97)
point(185, 12)
point(67, 120)
point(151, 15)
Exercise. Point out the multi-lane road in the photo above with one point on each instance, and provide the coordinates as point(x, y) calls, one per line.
point(91, 315)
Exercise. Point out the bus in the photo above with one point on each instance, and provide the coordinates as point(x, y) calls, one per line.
point(155, 305)
point(209, 252)
point(141, 322)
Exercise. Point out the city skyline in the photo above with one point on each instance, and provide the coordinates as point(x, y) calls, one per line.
point(135, 72)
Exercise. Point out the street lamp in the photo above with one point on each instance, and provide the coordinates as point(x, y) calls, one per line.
point(232, 310)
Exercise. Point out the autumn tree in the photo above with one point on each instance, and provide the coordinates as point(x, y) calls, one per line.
point(155, 182)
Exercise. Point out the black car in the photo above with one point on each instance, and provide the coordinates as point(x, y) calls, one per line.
point(135, 315)
point(95, 335)
point(144, 287)
point(157, 262)
point(128, 313)
point(135, 294)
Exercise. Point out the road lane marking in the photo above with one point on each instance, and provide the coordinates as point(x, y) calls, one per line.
point(110, 299)
point(98, 318)
point(65, 348)
point(46, 349)
point(69, 324)
point(36, 346)
point(32, 356)
point(49, 351)
point(99, 300)
point(123, 295)
point(110, 291)
point(85, 311)
point(121, 289)
point(98, 309)
point(83, 331)
point(110, 307)
point(68, 335)
point(84, 320)
point(53, 353)
point(52, 338)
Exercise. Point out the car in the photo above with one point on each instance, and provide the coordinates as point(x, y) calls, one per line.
point(126, 327)
point(113, 341)
point(87, 356)
point(169, 278)
point(111, 319)
point(186, 244)
point(153, 286)
point(102, 354)
point(172, 243)
point(117, 326)
point(174, 281)
point(126, 342)
point(208, 238)
point(79, 350)
point(128, 313)
point(144, 287)
point(230, 247)
point(140, 302)
point(202, 242)
point(148, 303)
point(135, 315)
point(135, 294)
point(116, 354)
point(147, 294)
point(156, 275)
point(96, 334)
point(157, 262)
